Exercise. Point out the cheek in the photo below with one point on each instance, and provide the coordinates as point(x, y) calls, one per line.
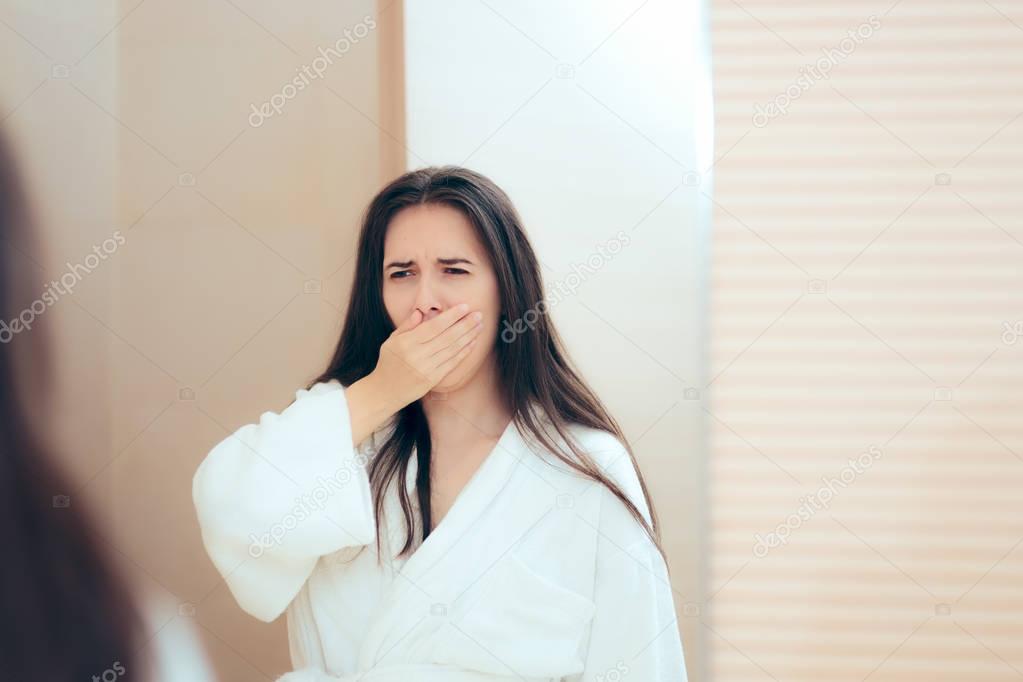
point(390, 311)
point(488, 339)
point(489, 298)
point(396, 304)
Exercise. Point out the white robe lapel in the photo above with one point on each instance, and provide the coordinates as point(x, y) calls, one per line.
point(445, 562)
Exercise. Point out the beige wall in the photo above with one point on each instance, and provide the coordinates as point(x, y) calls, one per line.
point(231, 251)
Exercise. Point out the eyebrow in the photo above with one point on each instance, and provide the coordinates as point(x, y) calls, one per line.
point(443, 261)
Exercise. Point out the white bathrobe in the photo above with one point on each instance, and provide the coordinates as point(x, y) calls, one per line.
point(535, 573)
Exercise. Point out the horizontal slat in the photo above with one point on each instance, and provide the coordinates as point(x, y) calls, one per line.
point(830, 187)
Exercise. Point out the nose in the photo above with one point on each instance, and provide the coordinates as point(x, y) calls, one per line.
point(428, 299)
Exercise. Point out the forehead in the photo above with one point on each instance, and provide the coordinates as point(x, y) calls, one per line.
point(429, 228)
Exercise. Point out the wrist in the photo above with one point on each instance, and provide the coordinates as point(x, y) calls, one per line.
point(383, 401)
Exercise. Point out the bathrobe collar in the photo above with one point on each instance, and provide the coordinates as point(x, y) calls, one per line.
point(429, 572)
point(489, 478)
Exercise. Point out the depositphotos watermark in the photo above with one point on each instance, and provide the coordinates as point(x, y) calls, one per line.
point(307, 504)
point(309, 72)
point(593, 263)
point(1012, 332)
point(615, 674)
point(111, 674)
point(814, 502)
point(76, 272)
point(810, 74)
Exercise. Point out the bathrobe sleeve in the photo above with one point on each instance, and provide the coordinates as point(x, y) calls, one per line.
point(635, 631)
point(276, 495)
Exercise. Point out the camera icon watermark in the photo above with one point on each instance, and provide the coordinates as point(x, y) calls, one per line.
point(564, 71)
point(692, 179)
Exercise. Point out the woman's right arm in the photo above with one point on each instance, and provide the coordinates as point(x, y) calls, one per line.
point(276, 495)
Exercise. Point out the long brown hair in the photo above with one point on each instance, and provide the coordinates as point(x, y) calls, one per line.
point(66, 613)
point(534, 368)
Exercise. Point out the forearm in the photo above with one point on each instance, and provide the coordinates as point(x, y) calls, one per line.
point(370, 405)
point(277, 494)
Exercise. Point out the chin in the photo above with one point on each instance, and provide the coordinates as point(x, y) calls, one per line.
point(450, 383)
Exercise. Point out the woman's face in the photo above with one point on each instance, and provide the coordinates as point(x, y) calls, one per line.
point(433, 260)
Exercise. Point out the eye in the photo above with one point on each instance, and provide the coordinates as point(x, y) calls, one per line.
point(399, 274)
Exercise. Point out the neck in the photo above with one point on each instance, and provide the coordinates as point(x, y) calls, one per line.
point(474, 410)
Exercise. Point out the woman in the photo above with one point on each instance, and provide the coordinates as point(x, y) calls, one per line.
point(68, 615)
point(448, 500)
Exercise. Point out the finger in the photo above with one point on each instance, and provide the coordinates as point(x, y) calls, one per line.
point(445, 367)
point(462, 331)
point(429, 329)
point(410, 322)
point(453, 348)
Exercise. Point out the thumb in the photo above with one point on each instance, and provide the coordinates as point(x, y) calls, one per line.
point(411, 321)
